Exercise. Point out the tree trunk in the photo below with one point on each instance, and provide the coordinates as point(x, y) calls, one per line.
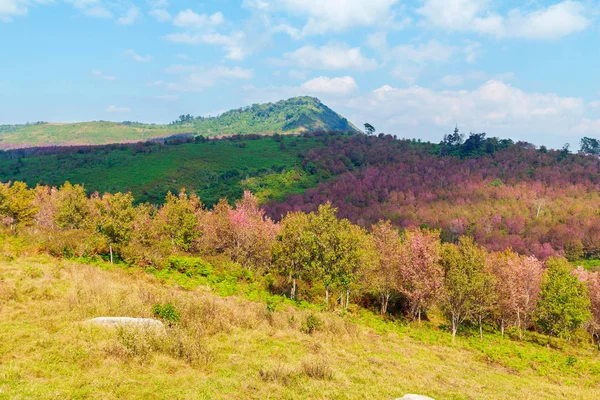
point(111, 252)
point(502, 327)
point(347, 298)
point(327, 297)
point(293, 293)
point(480, 328)
point(453, 330)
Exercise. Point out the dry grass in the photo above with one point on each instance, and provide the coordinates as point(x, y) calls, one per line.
point(229, 347)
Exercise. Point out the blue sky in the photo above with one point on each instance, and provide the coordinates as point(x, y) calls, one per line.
point(524, 70)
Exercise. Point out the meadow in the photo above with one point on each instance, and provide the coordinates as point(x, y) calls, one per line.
point(232, 338)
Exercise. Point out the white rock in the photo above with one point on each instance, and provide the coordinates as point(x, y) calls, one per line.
point(126, 321)
point(414, 397)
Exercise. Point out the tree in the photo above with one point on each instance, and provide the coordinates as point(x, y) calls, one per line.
point(464, 283)
point(178, 220)
point(369, 129)
point(16, 204)
point(337, 250)
point(251, 234)
point(564, 304)
point(590, 146)
point(291, 251)
point(385, 275)
point(592, 280)
point(518, 280)
point(421, 273)
point(116, 218)
point(454, 139)
point(73, 207)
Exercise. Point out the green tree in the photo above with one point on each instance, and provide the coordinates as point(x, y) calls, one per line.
point(117, 215)
point(590, 146)
point(563, 305)
point(16, 204)
point(291, 251)
point(337, 250)
point(178, 220)
point(73, 207)
point(465, 282)
point(369, 129)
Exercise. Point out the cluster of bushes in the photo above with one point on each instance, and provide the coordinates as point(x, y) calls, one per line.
point(316, 252)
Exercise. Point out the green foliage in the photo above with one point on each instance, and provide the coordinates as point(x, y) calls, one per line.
point(16, 203)
point(72, 210)
point(312, 323)
point(166, 312)
point(563, 305)
point(212, 170)
point(469, 289)
point(189, 265)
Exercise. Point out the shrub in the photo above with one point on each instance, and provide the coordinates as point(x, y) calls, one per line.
point(166, 312)
point(189, 265)
point(312, 323)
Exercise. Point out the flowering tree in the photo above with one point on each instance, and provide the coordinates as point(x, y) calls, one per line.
point(421, 273)
point(385, 275)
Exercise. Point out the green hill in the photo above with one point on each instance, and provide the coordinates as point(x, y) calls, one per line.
point(294, 115)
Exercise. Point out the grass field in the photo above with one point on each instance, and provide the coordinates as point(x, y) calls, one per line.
point(235, 340)
point(84, 133)
point(213, 170)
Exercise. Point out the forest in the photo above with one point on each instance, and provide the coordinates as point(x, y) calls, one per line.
point(315, 257)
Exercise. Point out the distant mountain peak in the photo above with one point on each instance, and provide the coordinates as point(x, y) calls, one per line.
point(293, 115)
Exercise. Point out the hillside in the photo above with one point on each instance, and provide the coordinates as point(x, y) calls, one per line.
point(248, 345)
point(212, 169)
point(506, 195)
point(294, 115)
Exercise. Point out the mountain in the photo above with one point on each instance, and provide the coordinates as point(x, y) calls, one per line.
point(298, 114)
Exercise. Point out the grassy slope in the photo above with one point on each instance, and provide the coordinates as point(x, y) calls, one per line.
point(84, 133)
point(199, 167)
point(232, 347)
point(287, 116)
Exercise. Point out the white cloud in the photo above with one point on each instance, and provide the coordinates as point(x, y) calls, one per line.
point(377, 41)
point(134, 55)
point(297, 74)
point(180, 68)
point(12, 8)
point(161, 15)
point(335, 86)
point(452, 80)
point(129, 18)
point(167, 98)
point(494, 107)
point(98, 12)
point(115, 109)
point(430, 51)
point(331, 15)
point(202, 79)
point(156, 83)
point(91, 8)
point(100, 75)
point(183, 57)
point(551, 22)
point(235, 44)
point(189, 19)
point(330, 56)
